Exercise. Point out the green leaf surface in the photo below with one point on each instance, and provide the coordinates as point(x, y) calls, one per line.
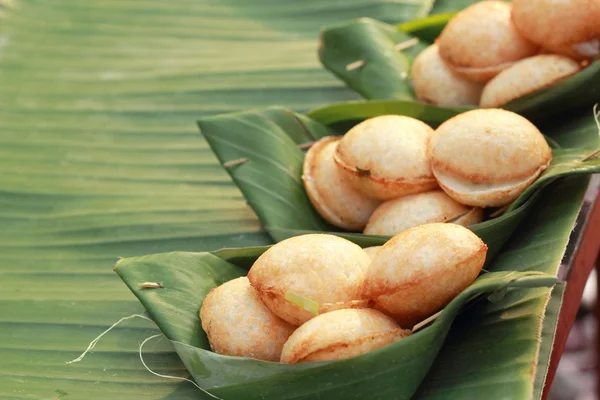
point(356, 111)
point(565, 162)
point(577, 91)
point(363, 54)
point(398, 369)
point(444, 6)
point(428, 28)
point(100, 157)
point(270, 176)
point(547, 338)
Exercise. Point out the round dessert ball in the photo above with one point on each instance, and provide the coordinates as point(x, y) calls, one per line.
point(527, 76)
point(487, 157)
point(420, 270)
point(372, 251)
point(481, 41)
point(341, 334)
point(386, 157)
point(435, 83)
point(395, 216)
point(568, 27)
point(330, 193)
point(237, 322)
point(326, 269)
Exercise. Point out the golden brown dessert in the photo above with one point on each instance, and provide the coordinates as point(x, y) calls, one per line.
point(341, 334)
point(395, 216)
point(481, 40)
point(419, 271)
point(237, 322)
point(386, 157)
point(487, 157)
point(325, 269)
point(330, 193)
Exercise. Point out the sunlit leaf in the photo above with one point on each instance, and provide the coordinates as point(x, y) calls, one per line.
point(384, 72)
point(398, 368)
point(271, 175)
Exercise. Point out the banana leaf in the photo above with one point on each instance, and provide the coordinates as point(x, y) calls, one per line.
point(427, 28)
point(398, 369)
point(100, 158)
point(364, 54)
point(261, 151)
point(445, 6)
point(351, 112)
point(374, 44)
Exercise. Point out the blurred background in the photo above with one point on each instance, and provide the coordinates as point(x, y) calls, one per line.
point(577, 374)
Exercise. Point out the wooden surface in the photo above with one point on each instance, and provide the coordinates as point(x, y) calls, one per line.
point(576, 269)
